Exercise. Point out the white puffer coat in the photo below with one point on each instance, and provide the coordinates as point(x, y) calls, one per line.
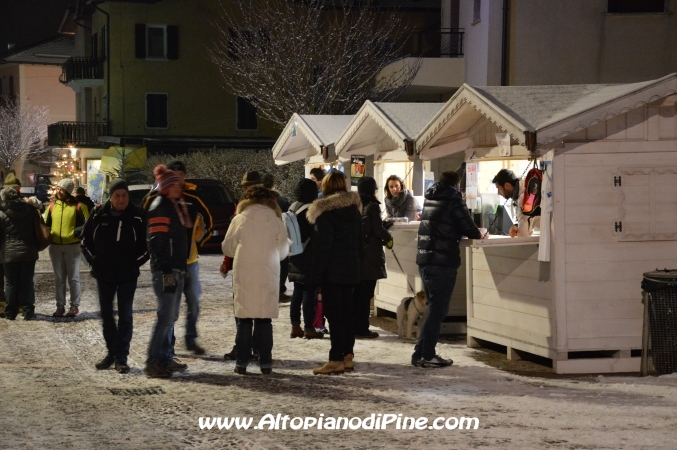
point(257, 241)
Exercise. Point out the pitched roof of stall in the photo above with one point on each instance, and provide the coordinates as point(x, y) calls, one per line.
point(400, 121)
point(551, 112)
point(410, 118)
point(315, 131)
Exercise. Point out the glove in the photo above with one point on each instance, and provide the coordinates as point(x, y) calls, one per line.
point(168, 283)
point(387, 224)
point(389, 244)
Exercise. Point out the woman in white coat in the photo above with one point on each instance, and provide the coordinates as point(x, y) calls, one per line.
point(257, 241)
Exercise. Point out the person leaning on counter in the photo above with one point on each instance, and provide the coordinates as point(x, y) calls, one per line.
point(399, 201)
point(512, 188)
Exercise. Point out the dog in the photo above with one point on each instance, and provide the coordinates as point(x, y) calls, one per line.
point(412, 311)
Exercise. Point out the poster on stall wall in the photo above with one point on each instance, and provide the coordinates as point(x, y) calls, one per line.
point(357, 166)
point(471, 182)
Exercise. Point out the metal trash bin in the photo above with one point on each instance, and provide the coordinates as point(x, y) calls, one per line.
point(659, 334)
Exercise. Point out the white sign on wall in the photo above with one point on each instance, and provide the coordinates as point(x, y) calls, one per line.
point(503, 143)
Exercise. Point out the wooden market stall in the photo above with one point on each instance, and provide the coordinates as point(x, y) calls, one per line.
point(573, 293)
point(384, 134)
point(310, 138)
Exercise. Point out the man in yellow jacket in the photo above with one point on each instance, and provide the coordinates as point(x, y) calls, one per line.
point(65, 217)
point(198, 235)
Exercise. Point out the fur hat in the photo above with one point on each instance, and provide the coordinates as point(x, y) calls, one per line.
point(306, 191)
point(8, 194)
point(11, 181)
point(67, 185)
point(164, 178)
point(251, 178)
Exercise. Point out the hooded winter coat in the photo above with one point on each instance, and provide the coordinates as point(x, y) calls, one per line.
point(257, 241)
point(337, 239)
point(17, 225)
point(444, 221)
point(373, 265)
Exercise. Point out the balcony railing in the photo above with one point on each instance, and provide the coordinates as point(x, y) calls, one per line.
point(81, 68)
point(445, 43)
point(63, 134)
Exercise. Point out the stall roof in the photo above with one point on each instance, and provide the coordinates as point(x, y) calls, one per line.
point(305, 135)
point(550, 112)
point(399, 122)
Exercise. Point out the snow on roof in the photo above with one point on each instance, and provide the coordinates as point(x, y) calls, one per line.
point(552, 112)
point(410, 118)
point(53, 52)
point(399, 122)
point(327, 128)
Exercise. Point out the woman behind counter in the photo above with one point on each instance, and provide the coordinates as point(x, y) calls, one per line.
point(399, 201)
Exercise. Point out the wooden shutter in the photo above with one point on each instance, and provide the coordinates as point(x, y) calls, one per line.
point(172, 42)
point(140, 40)
point(648, 203)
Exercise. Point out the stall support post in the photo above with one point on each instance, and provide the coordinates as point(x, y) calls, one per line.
point(418, 178)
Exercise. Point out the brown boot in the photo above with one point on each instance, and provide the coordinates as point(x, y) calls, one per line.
point(296, 331)
point(313, 335)
point(329, 368)
point(348, 363)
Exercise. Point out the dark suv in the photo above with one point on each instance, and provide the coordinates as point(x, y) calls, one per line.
point(221, 204)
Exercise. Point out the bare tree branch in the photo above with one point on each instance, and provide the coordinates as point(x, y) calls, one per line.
point(23, 127)
point(310, 57)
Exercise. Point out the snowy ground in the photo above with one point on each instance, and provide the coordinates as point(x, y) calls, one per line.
point(53, 397)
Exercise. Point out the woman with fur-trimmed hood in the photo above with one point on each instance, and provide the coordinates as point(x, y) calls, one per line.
point(336, 254)
point(257, 241)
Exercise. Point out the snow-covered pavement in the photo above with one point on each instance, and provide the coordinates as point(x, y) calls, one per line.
point(53, 397)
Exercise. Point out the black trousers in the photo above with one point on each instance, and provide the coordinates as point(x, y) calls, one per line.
point(284, 272)
point(362, 296)
point(337, 300)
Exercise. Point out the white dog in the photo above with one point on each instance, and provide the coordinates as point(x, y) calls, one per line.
point(412, 311)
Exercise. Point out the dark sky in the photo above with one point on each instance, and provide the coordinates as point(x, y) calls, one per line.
point(26, 22)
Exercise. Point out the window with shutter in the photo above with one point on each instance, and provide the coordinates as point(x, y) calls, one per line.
point(157, 41)
point(246, 115)
point(156, 111)
point(647, 204)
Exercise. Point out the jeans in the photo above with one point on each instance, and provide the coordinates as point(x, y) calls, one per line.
point(192, 291)
point(337, 300)
point(362, 296)
point(262, 341)
point(19, 288)
point(303, 297)
point(66, 265)
point(161, 348)
point(118, 336)
point(438, 283)
point(284, 272)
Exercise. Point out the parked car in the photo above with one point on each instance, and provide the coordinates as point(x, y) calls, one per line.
point(217, 198)
point(221, 204)
point(41, 186)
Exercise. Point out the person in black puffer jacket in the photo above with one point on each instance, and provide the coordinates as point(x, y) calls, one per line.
point(114, 245)
point(444, 221)
point(18, 253)
point(299, 266)
point(336, 254)
point(373, 265)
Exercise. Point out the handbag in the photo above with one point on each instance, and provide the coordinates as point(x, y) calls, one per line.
point(43, 233)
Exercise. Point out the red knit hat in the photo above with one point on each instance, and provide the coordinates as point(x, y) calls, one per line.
point(164, 178)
